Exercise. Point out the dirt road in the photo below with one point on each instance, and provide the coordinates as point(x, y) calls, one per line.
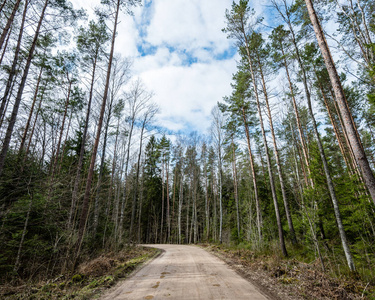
point(184, 272)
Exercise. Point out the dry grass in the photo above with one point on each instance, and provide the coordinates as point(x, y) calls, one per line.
point(97, 267)
point(92, 277)
point(291, 279)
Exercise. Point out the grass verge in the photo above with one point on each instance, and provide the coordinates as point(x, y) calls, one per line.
point(288, 278)
point(92, 277)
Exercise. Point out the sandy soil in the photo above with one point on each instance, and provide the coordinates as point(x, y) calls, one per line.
point(185, 272)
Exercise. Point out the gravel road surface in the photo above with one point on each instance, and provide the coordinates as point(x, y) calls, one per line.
point(184, 272)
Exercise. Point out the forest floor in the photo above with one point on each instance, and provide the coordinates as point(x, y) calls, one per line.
point(92, 277)
point(289, 279)
point(276, 278)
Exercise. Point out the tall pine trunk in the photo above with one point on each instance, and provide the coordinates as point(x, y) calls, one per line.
point(235, 185)
point(101, 169)
point(162, 200)
point(82, 149)
point(255, 184)
point(26, 130)
point(355, 141)
point(57, 153)
point(21, 88)
point(270, 172)
point(277, 158)
point(206, 203)
point(13, 70)
point(334, 125)
point(168, 204)
point(180, 202)
point(85, 206)
point(9, 23)
point(330, 185)
point(299, 126)
point(34, 125)
point(220, 196)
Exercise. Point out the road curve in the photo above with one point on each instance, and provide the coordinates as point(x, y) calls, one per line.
point(184, 272)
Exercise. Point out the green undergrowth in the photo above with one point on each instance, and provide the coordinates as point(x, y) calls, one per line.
point(92, 277)
point(300, 272)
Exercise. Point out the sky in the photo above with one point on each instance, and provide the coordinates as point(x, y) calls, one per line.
point(181, 55)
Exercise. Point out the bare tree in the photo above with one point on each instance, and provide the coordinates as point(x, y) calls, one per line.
point(149, 110)
point(147, 117)
point(120, 76)
point(136, 100)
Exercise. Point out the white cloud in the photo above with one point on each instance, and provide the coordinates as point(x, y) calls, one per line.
point(162, 57)
point(183, 72)
point(190, 25)
point(174, 44)
point(127, 38)
point(186, 94)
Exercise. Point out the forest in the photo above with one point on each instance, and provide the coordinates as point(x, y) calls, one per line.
point(286, 167)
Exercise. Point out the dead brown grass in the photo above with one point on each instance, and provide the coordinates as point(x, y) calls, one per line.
point(97, 267)
point(289, 279)
point(92, 277)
